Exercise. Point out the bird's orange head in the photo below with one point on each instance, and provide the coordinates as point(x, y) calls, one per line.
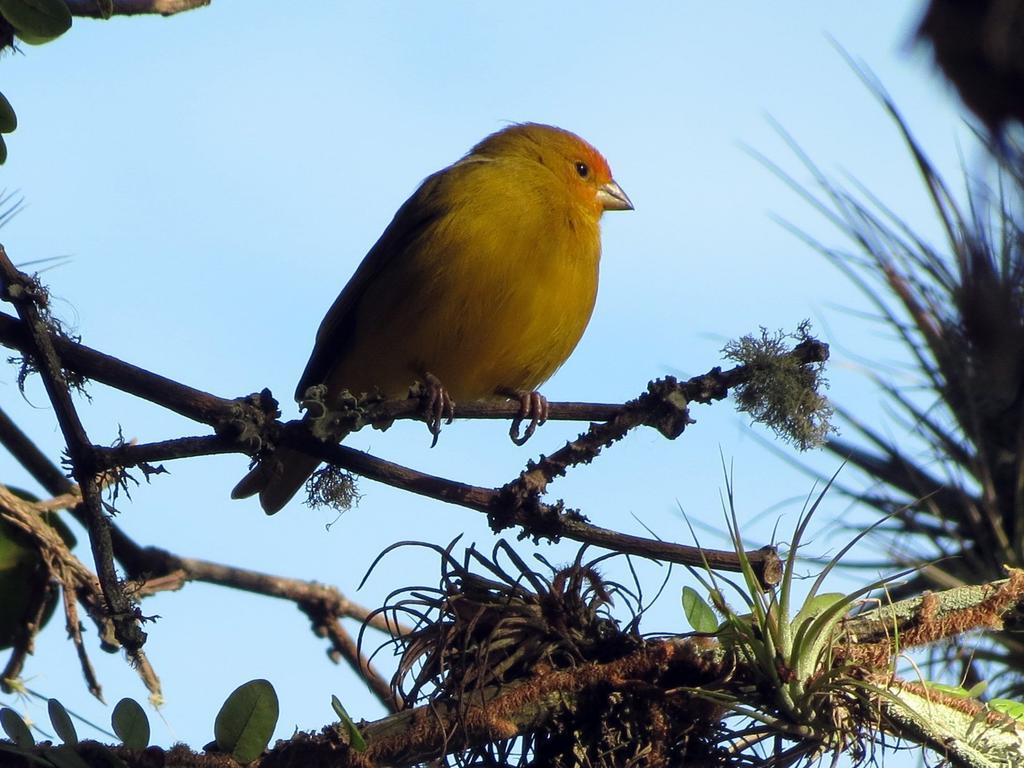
point(582, 170)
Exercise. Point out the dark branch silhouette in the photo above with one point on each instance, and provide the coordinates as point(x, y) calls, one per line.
point(246, 424)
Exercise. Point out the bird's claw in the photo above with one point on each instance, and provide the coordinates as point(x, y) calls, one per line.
point(532, 406)
point(438, 406)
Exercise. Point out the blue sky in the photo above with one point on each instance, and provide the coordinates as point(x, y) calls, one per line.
point(215, 177)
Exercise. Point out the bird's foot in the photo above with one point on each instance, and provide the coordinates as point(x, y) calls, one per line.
point(532, 406)
point(438, 406)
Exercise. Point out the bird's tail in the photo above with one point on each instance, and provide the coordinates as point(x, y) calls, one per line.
point(276, 479)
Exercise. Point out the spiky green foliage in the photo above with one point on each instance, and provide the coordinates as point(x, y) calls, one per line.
point(958, 309)
point(801, 689)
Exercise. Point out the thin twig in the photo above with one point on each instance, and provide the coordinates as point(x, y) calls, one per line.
point(537, 519)
point(131, 556)
point(74, 629)
point(176, 571)
point(77, 582)
point(46, 473)
point(664, 406)
point(28, 297)
point(161, 570)
point(225, 414)
point(187, 401)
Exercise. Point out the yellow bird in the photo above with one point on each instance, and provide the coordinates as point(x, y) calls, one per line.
point(480, 287)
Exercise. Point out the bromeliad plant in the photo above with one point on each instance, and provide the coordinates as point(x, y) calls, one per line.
point(820, 680)
point(796, 681)
point(952, 479)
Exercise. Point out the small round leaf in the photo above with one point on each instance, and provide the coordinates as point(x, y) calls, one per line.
point(247, 720)
point(8, 120)
point(62, 722)
point(15, 728)
point(37, 21)
point(131, 724)
point(698, 612)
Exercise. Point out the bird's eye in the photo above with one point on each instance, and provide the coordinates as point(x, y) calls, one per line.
point(582, 170)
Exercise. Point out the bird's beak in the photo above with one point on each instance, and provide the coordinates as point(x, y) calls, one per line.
point(612, 198)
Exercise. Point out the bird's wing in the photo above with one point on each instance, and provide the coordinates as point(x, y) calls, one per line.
point(412, 220)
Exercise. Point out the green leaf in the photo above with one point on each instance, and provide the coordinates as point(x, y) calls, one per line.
point(131, 724)
point(817, 629)
point(62, 723)
point(355, 738)
point(65, 757)
point(1014, 709)
point(975, 691)
point(813, 629)
point(698, 612)
point(3, 151)
point(817, 605)
point(37, 21)
point(247, 720)
point(15, 549)
point(15, 728)
point(949, 690)
point(8, 120)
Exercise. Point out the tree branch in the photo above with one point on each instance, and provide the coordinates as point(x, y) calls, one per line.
point(248, 423)
point(503, 508)
point(77, 582)
point(175, 571)
point(29, 298)
point(345, 647)
point(191, 403)
point(324, 605)
point(104, 9)
point(21, 447)
point(933, 617)
point(48, 475)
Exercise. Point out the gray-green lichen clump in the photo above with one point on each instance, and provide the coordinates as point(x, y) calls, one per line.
point(782, 392)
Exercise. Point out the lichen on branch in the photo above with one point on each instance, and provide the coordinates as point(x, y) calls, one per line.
point(781, 392)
